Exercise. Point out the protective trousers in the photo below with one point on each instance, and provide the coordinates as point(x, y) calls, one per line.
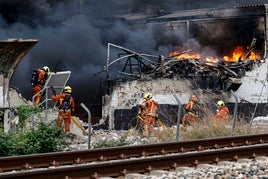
point(148, 124)
point(66, 117)
point(189, 118)
point(37, 98)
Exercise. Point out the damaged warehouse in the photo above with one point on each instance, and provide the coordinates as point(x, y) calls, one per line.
point(223, 51)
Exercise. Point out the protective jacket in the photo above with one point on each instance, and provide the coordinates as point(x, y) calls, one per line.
point(191, 115)
point(40, 84)
point(222, 114)
point(147, 111)
point(64, 114)
point(148, 108)
point(191, 108)
point(61, 99)
point(42, 77)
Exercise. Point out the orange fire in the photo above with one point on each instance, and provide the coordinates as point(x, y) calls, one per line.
point(183, 56)
point(253, 56)
point(211, 59)
point(239, 53)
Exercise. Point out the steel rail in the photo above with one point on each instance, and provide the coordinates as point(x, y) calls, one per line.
point(77, 157)
point(142, 165)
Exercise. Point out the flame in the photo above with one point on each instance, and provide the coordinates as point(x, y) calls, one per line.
point(182, 56)
point(211, 59)
point(239, 53)
point(174, 53)
point(253, 56)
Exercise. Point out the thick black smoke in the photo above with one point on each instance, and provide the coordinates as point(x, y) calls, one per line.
point(74, 37)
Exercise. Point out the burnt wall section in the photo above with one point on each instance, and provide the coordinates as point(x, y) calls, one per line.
point(220, 29)
point(126, 119)
point(127, 95)
point(223, 35)
point(247, 111)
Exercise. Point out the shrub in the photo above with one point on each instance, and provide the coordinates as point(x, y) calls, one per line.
point(24, 112)
point(44, 138)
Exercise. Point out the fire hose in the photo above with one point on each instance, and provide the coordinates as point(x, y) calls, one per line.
point(141, 119)
point(78, 125)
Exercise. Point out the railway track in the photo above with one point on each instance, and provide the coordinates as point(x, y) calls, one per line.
point(119, 161)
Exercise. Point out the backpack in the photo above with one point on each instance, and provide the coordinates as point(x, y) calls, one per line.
point(35, 77)
point(66, 103)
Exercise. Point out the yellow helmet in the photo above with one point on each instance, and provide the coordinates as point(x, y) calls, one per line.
point(46, 69)
point(148, 96)
point(220, 103)
point(67, 89)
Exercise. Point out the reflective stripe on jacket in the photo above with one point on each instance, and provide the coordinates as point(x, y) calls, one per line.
point(60, 98)
point(148, 107)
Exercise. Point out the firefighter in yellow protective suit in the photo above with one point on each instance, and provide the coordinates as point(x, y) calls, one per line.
point(147, 111)
point(66, 107)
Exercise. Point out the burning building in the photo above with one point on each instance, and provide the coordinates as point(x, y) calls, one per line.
point(223, 54)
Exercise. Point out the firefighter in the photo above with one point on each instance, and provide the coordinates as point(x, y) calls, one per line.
point(66, 107)
point(191, 115)
point(148, 113)
point(38, 81)
point(222, 112)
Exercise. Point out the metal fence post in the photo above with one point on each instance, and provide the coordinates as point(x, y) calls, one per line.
point(179, 116)
point(89, 124)
point(235, 111)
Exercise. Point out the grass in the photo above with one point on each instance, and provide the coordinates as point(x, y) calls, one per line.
point(210, 129)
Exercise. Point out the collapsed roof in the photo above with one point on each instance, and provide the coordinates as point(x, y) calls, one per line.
point(203, 73)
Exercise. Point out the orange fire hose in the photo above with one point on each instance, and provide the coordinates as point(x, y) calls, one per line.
point(78, 125)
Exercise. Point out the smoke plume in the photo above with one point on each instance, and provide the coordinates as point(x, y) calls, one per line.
point(73, 35)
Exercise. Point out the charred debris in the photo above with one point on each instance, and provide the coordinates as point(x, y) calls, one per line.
point(213, 74)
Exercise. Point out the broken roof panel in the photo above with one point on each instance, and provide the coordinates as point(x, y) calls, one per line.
point(213, 13)
point(12, 52)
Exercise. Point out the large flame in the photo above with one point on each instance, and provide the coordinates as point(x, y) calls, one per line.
point(239, 53)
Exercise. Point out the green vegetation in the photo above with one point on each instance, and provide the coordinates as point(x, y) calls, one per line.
point(45, 138)
point(24, 112)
